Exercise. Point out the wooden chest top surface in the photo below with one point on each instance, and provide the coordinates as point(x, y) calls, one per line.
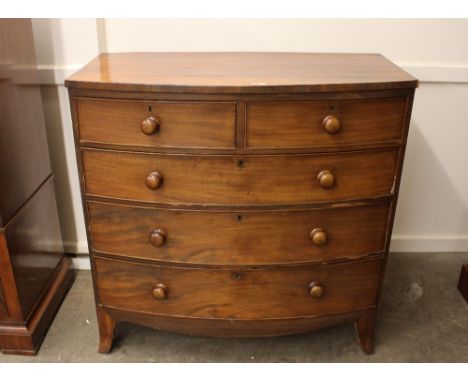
point(241, 72)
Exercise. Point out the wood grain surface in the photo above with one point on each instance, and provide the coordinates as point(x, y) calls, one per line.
point(241, 180)
point(246, 294)
point(228, 327)
point(240, 72)
point(34, 274)
point(238, 238)
point(35, 246)
point(300, 124)
point(3, 306)
point(239, 194)
point(181, 124)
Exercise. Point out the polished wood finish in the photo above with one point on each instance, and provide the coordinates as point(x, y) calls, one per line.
point(365, 328)
point(242, 180)
point(164, 124)
point(316, 290)
point(26, 338)
point(107, 326)
point(34, 274)
point(326, 179)
point(272, 211)
point(153, 180)
point(238, 294)
point(159, 292)
point(324, 123)
point(331, 124)
point(193, 237)
point(149, 125)
point(34, 246)
point(463, 282)
point(158, 238)
point(242, 73)
point(229, 327)
point(3, 307)
point(23, 140)
point(318, 236)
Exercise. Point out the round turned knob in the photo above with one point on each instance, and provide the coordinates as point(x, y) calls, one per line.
point(157, 237)
point(326, 179)
point(159, 292)
point(316, 290)
point(318, 236)
point(153, 180)
point(149, 125)
point(331, 124)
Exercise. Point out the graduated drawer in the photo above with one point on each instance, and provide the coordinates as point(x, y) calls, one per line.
point(238, 238)
point(324, 123)
point(237, 294)
point(168, 124)
point(239, 180)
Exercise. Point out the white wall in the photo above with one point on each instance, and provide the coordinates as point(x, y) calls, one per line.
point(432, 214)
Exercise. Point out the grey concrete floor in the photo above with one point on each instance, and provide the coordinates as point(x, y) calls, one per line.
point(422, 318)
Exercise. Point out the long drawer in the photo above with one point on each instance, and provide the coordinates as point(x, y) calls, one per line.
point(324, 123)
point(157, 123)
point(239, 180)
point(238, 238)
point(247, 294)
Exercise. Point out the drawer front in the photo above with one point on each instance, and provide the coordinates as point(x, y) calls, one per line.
point(301, 124)
point(256, 179)
point(238, 238)
point(246, 294)
point(173, 124)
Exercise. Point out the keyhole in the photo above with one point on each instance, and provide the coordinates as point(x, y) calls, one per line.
point(238, 276)
point(241, 163)
point(239, 217)
point(332, 109)
point(150, 108)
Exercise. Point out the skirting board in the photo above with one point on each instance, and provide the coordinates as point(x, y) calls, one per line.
point(81, 262)
point(399, 244)
point(77, 248)
point(413, 243)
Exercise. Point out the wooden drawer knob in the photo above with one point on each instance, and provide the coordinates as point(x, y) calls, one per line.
point(316, 290)
point(158, 237)
point(153, 180)
point(331, 124)
point(160, 292)
point(149, 125)
point(326, 179)
point(318, 236)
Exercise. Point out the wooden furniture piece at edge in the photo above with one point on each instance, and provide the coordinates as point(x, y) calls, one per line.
point(245, 79)
point(34, 273)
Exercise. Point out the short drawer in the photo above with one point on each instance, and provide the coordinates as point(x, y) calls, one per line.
point(158, 123)
point(237, 294)
point(239, 180)
point(238, 238)
point(324, 123)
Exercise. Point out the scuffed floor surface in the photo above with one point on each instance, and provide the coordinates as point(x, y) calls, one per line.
point(423, 318)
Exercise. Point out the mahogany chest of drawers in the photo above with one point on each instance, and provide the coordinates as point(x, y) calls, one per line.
point(239, 194)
